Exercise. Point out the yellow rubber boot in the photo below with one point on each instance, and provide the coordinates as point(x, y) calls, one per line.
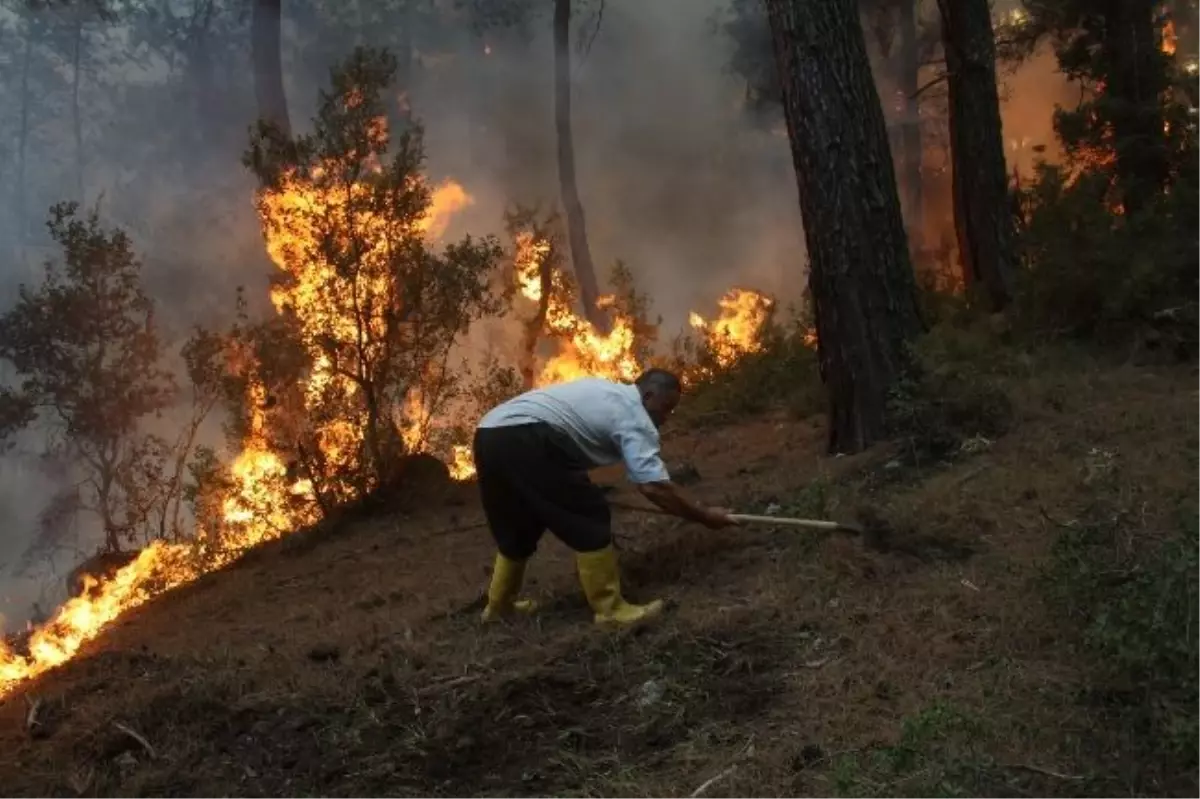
point(602, 586)
point(507, 576)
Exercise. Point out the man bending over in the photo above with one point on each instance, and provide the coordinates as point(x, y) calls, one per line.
point(532, 456)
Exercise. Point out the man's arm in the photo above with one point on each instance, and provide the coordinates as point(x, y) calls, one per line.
point(645, 469)
point(671, 498)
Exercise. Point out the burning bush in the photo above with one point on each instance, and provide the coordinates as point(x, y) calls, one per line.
point(342, 384)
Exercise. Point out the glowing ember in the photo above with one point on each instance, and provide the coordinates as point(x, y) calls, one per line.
point(462, 467)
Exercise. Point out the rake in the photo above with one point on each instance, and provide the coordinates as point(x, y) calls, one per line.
point(747, 518)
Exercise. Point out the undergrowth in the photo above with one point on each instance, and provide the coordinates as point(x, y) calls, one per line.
point(1132, 594)
point(939, 753)
point(782, 373)
point(952, 397)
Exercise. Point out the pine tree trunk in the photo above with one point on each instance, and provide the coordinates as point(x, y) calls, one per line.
point(22, 200)
point(1136, 81)
point(76, 112)
point(911, 144)
point(860, 271)
point(404, 65)
point(266, 35)
point(982, 213)
point(581, 254)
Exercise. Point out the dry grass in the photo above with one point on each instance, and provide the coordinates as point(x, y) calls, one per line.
point(350, 662)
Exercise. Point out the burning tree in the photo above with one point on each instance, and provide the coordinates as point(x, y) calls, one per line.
point(87, 352)
point(860, 273)
point(1120, 52)
point(368, 310)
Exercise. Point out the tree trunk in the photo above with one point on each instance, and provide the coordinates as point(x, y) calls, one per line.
point(860, 271)
point(982, 218)
point(537, 323)
point(581, 255)
point(22, 199)
point(265, 35)
point(208, 127)
point(1136, 81)
point(404, 65)
point(911, 144)
point(76, 115)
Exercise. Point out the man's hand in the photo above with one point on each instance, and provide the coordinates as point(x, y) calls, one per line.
point(716, 518)
point(667, 496)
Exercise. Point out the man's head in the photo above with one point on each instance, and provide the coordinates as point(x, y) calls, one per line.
point(660, 392)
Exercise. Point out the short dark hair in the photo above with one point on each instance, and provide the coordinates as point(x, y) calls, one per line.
point(659, 380)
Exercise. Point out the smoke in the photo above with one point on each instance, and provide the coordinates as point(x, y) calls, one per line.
point(676, 179)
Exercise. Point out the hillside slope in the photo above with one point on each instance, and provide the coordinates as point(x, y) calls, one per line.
point(349, 661)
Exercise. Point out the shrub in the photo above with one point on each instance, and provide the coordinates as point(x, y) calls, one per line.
point(951, 393)
point(1093, 273)
point(782, 373)
point(1137, 609)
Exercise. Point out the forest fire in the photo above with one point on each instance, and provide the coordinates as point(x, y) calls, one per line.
point(262, 503)
point(263, 499)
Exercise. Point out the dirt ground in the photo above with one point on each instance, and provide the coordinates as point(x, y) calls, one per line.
point(349, 660)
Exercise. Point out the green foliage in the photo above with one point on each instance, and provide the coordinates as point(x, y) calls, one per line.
point(938, 754)
point(86, 350)
point(951, 395)
point(1137, 605)
point(1105, 277)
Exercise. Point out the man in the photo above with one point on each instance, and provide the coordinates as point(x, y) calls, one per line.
point(532, 456)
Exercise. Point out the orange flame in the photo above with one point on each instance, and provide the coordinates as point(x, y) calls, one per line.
point(737, 330)
point(261, 503)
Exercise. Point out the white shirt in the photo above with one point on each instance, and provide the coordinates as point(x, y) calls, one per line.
point(606, 420)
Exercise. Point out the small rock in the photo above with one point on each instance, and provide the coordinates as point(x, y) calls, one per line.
point(650, 693)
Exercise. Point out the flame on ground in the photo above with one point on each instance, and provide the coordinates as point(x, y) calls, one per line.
point(263, 501)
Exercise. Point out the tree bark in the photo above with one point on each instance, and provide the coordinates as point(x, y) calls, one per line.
point(911, 144)
point(581, 255)
point(76, 113)
point(23, 143)
point(1136, 81)
point(860, 271)
point(982, 214)
point(404, 65)
point(265, 35)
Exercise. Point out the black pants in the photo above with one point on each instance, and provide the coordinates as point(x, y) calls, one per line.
point(533, 478)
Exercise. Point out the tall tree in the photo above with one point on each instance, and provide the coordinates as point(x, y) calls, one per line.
point(894, 24)
point(581, 254)
point(983, 219)
point(1112, 48)
point(266, 35)
point(911, 145)
point(860, 272)
point(86, 352)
